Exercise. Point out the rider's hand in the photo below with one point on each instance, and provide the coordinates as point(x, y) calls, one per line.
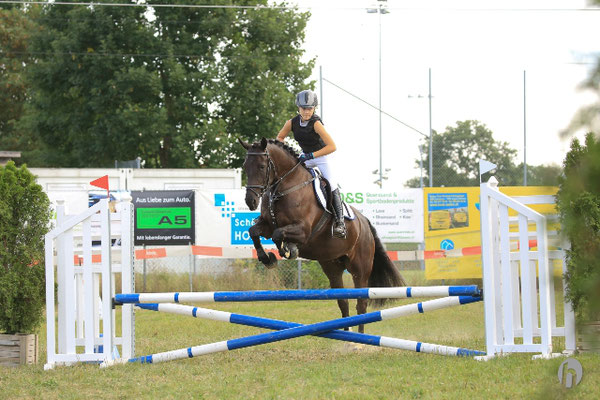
point(305, 156)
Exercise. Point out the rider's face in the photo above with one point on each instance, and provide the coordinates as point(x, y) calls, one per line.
point(306, 112)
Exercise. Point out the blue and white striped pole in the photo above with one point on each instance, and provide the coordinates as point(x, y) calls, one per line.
point(311, 294)
point(259, 322)
point(312, 329)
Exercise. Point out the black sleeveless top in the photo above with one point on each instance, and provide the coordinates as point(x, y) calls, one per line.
point(307, 138)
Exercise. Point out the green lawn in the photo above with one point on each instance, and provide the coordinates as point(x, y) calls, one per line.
point(309, 367)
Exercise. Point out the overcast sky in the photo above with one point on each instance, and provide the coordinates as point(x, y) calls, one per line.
point(477, 51)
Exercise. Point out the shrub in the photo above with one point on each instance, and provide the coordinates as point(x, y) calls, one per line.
point(24, 220)
point(578, 202)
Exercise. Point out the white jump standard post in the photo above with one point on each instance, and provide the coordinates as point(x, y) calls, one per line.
point(78, 336)
point(512, 279)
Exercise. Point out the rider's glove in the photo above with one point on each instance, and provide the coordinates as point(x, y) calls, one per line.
point(305, 156)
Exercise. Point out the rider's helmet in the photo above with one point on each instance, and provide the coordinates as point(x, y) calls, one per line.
point(307, 98)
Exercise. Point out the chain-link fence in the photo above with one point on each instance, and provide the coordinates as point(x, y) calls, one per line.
point(194, 273)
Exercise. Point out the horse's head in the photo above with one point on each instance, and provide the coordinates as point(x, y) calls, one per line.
point(258, 167)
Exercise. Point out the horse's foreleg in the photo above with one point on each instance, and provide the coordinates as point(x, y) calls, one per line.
point(287, 238)
point(262, 228)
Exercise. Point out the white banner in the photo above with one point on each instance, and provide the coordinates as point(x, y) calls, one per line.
point(397, 216)
point(223, 219)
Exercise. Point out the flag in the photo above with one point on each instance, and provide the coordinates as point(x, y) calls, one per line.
point(102, 183)
point(485, 166)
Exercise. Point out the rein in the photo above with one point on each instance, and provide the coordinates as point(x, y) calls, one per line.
point(271, 189)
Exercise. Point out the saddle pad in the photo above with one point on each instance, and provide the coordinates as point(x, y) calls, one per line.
point(348, 212)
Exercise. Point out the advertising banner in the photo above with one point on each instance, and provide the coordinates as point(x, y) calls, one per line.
point(397, 216)
point(224, 219)
point(453, 223)
point(164, 217)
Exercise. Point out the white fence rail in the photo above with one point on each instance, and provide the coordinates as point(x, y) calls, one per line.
point(82, 327)
point(521, 312)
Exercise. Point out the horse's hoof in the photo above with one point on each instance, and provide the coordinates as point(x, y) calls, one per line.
point(293, 252)
point(286, 252)
point(272, 263)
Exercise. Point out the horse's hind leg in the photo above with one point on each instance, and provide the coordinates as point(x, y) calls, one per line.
point(361, 304)
point(334, 271)
point(360, 277)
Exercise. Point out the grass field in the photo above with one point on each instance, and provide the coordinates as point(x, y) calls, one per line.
point(308, 367)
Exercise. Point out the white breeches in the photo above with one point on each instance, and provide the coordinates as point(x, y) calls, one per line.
point(324, 165)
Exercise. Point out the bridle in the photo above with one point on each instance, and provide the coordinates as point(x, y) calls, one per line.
point(271, 188)
point(270, 167)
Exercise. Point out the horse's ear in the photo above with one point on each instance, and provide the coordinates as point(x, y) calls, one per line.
point(244, 144)
point(263, 143)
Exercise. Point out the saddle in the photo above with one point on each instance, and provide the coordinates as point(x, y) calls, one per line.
point(322, 190)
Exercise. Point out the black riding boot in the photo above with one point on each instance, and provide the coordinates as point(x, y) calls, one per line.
point(339, 228)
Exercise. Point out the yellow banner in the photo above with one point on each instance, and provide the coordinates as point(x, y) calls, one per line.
point(452, 224)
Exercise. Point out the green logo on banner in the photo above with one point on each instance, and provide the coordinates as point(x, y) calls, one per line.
point(164, 218)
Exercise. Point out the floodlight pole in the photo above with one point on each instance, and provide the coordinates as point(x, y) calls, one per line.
point(430, 137)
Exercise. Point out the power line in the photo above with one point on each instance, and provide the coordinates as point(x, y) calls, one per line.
point(321, 7)
point(375, 107)
point(147, 5)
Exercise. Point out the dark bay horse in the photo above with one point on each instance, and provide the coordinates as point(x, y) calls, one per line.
point(291, 216)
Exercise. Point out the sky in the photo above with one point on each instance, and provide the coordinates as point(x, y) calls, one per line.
point(483, 56)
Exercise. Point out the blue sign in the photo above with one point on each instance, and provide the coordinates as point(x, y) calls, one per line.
point(240, 223)
point(446, 201)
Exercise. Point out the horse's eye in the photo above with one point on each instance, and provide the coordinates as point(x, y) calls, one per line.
point(261, 167)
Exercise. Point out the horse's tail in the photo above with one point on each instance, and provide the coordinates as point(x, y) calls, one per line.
point(384, 273)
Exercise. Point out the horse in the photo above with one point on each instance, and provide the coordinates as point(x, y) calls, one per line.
point(299, 226)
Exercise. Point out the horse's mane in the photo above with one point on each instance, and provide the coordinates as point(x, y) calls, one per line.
point(285, 147)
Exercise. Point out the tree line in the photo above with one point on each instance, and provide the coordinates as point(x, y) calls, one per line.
point(456, 154)
point(87, 85)
point(84, 86)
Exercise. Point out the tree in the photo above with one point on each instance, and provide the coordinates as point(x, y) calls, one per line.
point(456, 155)
point(175, 86)
point(578, 202)
point(261, 72)
point(15, 29)
point(91, 103)
point(540, 175)
point(24, 220)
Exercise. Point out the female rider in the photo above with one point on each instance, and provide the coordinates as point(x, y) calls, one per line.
point(316, 145)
